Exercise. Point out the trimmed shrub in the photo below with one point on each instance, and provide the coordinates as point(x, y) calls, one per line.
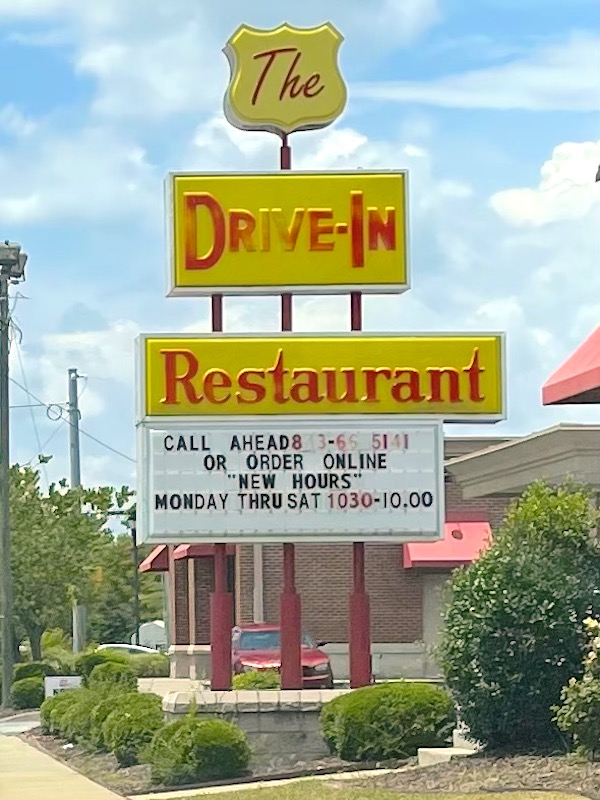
point(98, 717)
point(193, 750)
point(76, 722)
point(113, 676)
point(150, 665)
point(387, 721)
point(54, 709)
point(32, 669)
point(45, 710)
point(130, 727)
point(85, 663)
point(27, 693)
point(257, 680)
point(49, 706)
point(514, 625)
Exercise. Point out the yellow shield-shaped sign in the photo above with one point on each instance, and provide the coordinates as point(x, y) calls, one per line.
point(284, 80)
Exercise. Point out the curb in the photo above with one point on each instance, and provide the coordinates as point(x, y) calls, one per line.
point(244, 780)
point(271, 778)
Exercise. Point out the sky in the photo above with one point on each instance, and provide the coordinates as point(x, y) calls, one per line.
point(493, 106)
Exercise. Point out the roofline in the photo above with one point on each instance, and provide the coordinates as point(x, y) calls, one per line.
point(561, 426)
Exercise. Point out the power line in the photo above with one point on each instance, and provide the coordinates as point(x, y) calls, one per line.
point(47, 442)
point(107, 446)
point(50, 406)
point(32, 413)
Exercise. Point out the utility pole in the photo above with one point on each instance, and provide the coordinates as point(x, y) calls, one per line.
point(74, 451)
point(78, 612)
point(12, 270)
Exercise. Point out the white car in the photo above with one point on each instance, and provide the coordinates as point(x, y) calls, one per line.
point(129, 649)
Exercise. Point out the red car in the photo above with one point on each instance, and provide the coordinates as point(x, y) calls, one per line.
point(256, 647)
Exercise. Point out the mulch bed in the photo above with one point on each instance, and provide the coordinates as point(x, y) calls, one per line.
point(486, 772)
point(104, 769)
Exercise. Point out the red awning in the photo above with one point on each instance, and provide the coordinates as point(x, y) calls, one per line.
point(462, 544)
point(578, 380)
point(157, 561)
point(198, 551)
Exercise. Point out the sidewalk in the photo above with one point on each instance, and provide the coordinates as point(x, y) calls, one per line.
point(28, 774)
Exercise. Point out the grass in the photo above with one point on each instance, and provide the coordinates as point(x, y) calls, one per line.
point(319, 790)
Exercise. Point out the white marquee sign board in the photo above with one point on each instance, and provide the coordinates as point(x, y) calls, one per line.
point(290, 480)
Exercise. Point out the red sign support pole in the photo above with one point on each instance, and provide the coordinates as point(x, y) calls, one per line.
point(290, 612)
point(221, 601)
point(360, 614)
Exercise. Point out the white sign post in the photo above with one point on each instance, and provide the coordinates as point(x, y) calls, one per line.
point(288, 479)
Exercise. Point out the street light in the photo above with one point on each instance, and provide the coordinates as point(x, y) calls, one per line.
point(12, 270)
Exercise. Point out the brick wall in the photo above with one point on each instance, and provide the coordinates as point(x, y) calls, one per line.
point(245, 572)
point(182, 635)
point(204, 569)
point(324, 581)
point(492, 508)
point(204, 586)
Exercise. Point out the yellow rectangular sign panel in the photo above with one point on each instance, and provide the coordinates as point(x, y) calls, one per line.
point(452, 376)
point(302, 232)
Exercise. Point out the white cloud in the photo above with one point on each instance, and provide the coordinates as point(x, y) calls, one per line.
point(554, 77)
point(400, 21)
point(567, 189)
point(15, 123)
point(32, 8)
point(105, 355)
point(90, 175)
point(153, 59)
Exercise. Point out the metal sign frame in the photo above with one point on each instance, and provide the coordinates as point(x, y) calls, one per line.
point(264, 291)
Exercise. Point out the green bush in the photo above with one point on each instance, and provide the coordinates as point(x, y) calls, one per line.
point(50, 705)
point(53, 639)
point(193, 750)
point(578, 715)
point(130, 727)
point(98, 717)
point(387, 721)
point(27, 693)
point(513, 628)
point(85, 663)
point(46, 709)
point(56, 651)
point(150, 665)
point(32, 669)
point(113, 675)
point(257, 680)
point(61, 661)
point(76, 722)
point(54, 709)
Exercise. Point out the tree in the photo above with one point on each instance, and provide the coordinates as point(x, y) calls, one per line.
point(57, 543)
point(514, 624)
point(111, 607)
